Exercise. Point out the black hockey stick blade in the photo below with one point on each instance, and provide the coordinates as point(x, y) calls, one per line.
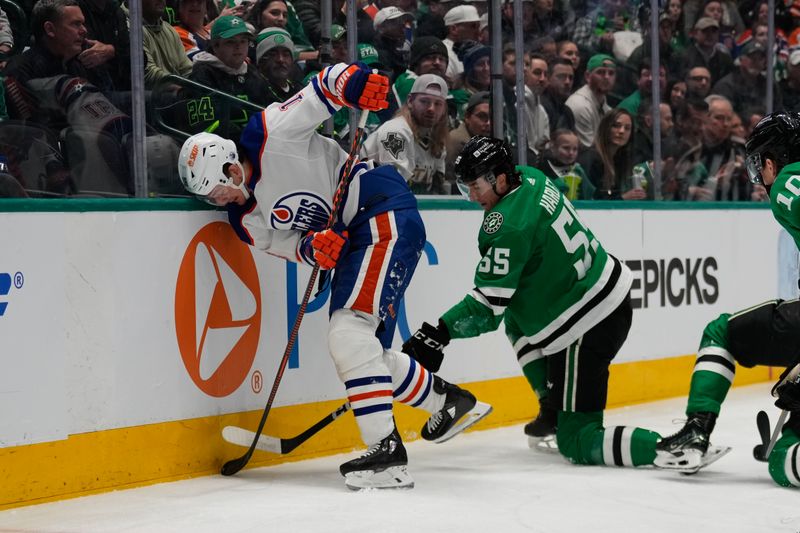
point(760, 450)
point(243, 437)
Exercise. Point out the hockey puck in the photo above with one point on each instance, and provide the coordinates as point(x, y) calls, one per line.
point(758, 453)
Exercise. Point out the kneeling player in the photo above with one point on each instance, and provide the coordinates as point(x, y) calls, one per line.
point(561, 296)
point(280, 196)
point(766, 334)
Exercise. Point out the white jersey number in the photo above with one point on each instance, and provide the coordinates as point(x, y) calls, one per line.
point(495, 261)
point(579, 243)
point(793, 186)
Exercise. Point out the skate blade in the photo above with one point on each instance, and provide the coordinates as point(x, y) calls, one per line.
point(478, 411)
point(690, 461)
point(394, 477)
point(686, 461)
point(547, 444)
point(713, 454)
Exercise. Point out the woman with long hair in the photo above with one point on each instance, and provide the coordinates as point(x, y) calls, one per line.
point(609, 163)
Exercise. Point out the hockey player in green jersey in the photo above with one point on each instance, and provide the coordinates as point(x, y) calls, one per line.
point(766, 334)
point(564, 301)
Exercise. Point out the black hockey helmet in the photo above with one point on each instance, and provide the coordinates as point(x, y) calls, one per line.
point(484, 157)
point(775, 136)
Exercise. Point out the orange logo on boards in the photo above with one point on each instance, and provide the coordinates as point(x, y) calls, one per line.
point(217, 310)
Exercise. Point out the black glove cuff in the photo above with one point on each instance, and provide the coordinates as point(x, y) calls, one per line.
point(445, 333)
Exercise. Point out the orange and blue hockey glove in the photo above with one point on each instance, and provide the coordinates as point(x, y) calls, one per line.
point(357, 86)
point(323, 247)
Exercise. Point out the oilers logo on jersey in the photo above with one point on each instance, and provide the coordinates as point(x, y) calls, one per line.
point(300, 210)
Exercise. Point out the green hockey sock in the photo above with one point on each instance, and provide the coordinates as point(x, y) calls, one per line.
point(583, 440)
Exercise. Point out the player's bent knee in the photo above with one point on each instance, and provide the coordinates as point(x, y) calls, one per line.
point(352, 341)
point(577, 436)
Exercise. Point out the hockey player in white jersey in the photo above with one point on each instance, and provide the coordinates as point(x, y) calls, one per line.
point(279, 196)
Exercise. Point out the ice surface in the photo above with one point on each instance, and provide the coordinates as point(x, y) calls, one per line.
point(486, 481)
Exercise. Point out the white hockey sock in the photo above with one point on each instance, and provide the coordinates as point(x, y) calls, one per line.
point(412, 383)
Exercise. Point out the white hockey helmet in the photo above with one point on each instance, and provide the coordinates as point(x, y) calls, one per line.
point(202, 161)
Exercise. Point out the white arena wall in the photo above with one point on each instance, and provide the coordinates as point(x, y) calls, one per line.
point(128, 338)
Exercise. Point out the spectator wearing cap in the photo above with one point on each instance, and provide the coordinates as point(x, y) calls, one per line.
point(790, 86)
point(706, 50)
point(224, 67)
point(746, 85)
point(463, 24)
point(338, 44)
point(588, 104)
point(561, 76)
point(390, 25)
point(275, 60)
point(477, 121)
point(415, 141)
point(428, 55)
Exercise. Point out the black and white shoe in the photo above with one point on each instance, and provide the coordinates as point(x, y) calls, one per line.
point(383, 466)
point(541, 431)
point(685, 450)
point(460, 411)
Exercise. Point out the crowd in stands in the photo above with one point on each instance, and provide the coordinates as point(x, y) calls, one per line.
point(209, 65)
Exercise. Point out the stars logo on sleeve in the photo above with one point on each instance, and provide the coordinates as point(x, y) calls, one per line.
point(394, 144)
point(492, 223)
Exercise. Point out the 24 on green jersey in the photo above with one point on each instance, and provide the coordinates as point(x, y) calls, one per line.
point(541, 270)
point(784, 197)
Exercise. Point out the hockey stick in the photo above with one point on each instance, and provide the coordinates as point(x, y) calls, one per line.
point(761, 451)
point(234, 465)
point(242, 437)
point(776, 433)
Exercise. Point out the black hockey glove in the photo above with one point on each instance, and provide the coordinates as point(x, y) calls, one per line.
point(427, 344)
point(787, 390)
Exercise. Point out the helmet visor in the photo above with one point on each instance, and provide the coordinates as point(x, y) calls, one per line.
point(464, 186)
point(753, 164)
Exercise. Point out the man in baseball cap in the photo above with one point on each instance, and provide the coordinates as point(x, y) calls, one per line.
point(588, 104)
point(414, 141)
point(746, 86)
point(463, 24)
point(391, 25)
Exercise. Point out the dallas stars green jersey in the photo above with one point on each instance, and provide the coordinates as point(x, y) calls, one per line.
point(541, 270)
point(783, 194)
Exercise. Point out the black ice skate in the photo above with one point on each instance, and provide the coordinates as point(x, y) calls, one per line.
point(383, 466)
point(460, 411)
point(685, 450)
point(541, 431)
